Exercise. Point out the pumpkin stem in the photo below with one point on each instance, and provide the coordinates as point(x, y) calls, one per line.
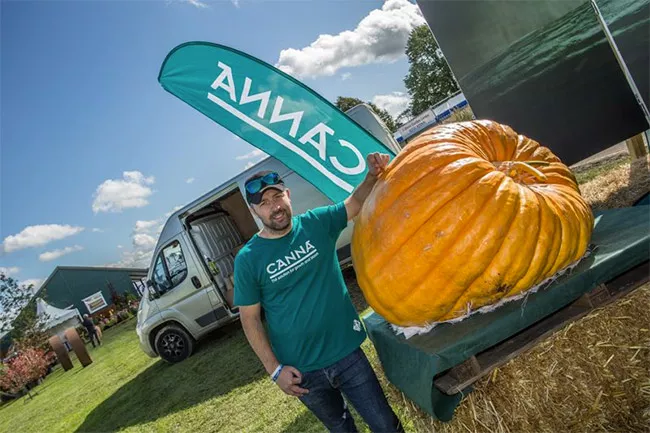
point(512, 168)
point(530, 170)
point(542, 163)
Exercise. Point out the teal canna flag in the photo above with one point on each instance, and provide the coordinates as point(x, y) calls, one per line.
point(274, 112)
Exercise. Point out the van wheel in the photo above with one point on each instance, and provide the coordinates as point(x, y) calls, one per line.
point(174, 344)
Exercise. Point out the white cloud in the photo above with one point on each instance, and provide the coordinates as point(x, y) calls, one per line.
point(197, 3)
point(114, 195)
point(145, 226)
point(36, 282)
point(189, 180)
point(143, 239)
point(235, 2)
point(395, 103)
point(249, 164)
point(254, 154)
point(8, 272)
point(96, 230)
point(53, 255)
point(236, 137)
point(39, 235)
point(134, 259)
point(346, 76)
point(380, 37)
point(145, 235)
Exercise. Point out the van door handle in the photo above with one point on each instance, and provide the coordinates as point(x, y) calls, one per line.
point(196, 282)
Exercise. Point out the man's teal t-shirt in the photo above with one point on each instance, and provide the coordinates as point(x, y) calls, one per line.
point(297, 279)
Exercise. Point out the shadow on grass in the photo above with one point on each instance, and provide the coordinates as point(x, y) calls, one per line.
point(306, 422)
point(221, 363)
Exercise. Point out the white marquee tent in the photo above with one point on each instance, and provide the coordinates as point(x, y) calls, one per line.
point(58, 320)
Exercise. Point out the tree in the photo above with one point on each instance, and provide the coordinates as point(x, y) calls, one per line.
point(118, 300)
point(344, 103)
point(24, 371)
point(429, 79)
point(18, 314)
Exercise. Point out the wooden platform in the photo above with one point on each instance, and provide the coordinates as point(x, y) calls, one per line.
point(458, 378)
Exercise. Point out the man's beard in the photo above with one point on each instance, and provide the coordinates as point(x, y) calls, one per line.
point(275, 226)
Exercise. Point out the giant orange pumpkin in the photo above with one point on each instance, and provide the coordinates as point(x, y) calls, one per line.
point(466, 215)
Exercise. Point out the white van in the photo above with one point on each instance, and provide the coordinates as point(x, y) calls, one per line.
point(193, 262)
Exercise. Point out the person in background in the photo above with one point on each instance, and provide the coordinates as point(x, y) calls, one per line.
point(291, 271)
point(90, 328)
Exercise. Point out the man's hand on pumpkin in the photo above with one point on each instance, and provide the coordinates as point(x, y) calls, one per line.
point(377, 162)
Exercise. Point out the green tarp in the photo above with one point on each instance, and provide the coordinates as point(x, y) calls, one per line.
point(622, 240)
point(645, 200)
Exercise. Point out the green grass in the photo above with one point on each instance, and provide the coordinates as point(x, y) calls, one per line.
point(222, 387)
point(593, 171)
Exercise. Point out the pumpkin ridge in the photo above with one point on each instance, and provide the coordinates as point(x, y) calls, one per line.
point(416, 163)
point(495, 135)
point(469, 136)
point(405, 236)
point(565, 240)
point(469, 284)
point(395, 207)
point(586, 220)
point(560, 175)
point(530, 197)
point(369, 292)
point(554, 251)
point(519, 211)
point(503, 147)
point(545, 154)
point(527, 150)
point(436, 266)
point(448, 242)
point(572, 220)
point(570, 202)
point(390, 198)
point(411, 152)
point(539, 255)
point(419, 159)
point(449, 133)
point(360, 268)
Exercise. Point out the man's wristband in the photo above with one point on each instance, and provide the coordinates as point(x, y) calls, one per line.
point(276, 373)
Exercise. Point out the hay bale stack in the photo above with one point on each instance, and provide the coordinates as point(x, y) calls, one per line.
point(619, 187)
point(594, 375)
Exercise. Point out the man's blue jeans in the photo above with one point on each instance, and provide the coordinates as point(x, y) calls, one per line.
point(354, 378)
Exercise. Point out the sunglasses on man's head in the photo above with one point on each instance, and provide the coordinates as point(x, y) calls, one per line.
point(254, 186)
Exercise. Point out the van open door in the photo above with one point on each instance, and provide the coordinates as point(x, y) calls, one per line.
point(219, 228)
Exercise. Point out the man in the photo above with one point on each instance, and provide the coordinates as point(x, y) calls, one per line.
point(291, 271)
point(90, 328)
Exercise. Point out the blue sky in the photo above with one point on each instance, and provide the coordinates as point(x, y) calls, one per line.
point(94, 152)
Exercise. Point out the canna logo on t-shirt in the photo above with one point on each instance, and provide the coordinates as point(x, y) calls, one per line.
point(291, 262)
